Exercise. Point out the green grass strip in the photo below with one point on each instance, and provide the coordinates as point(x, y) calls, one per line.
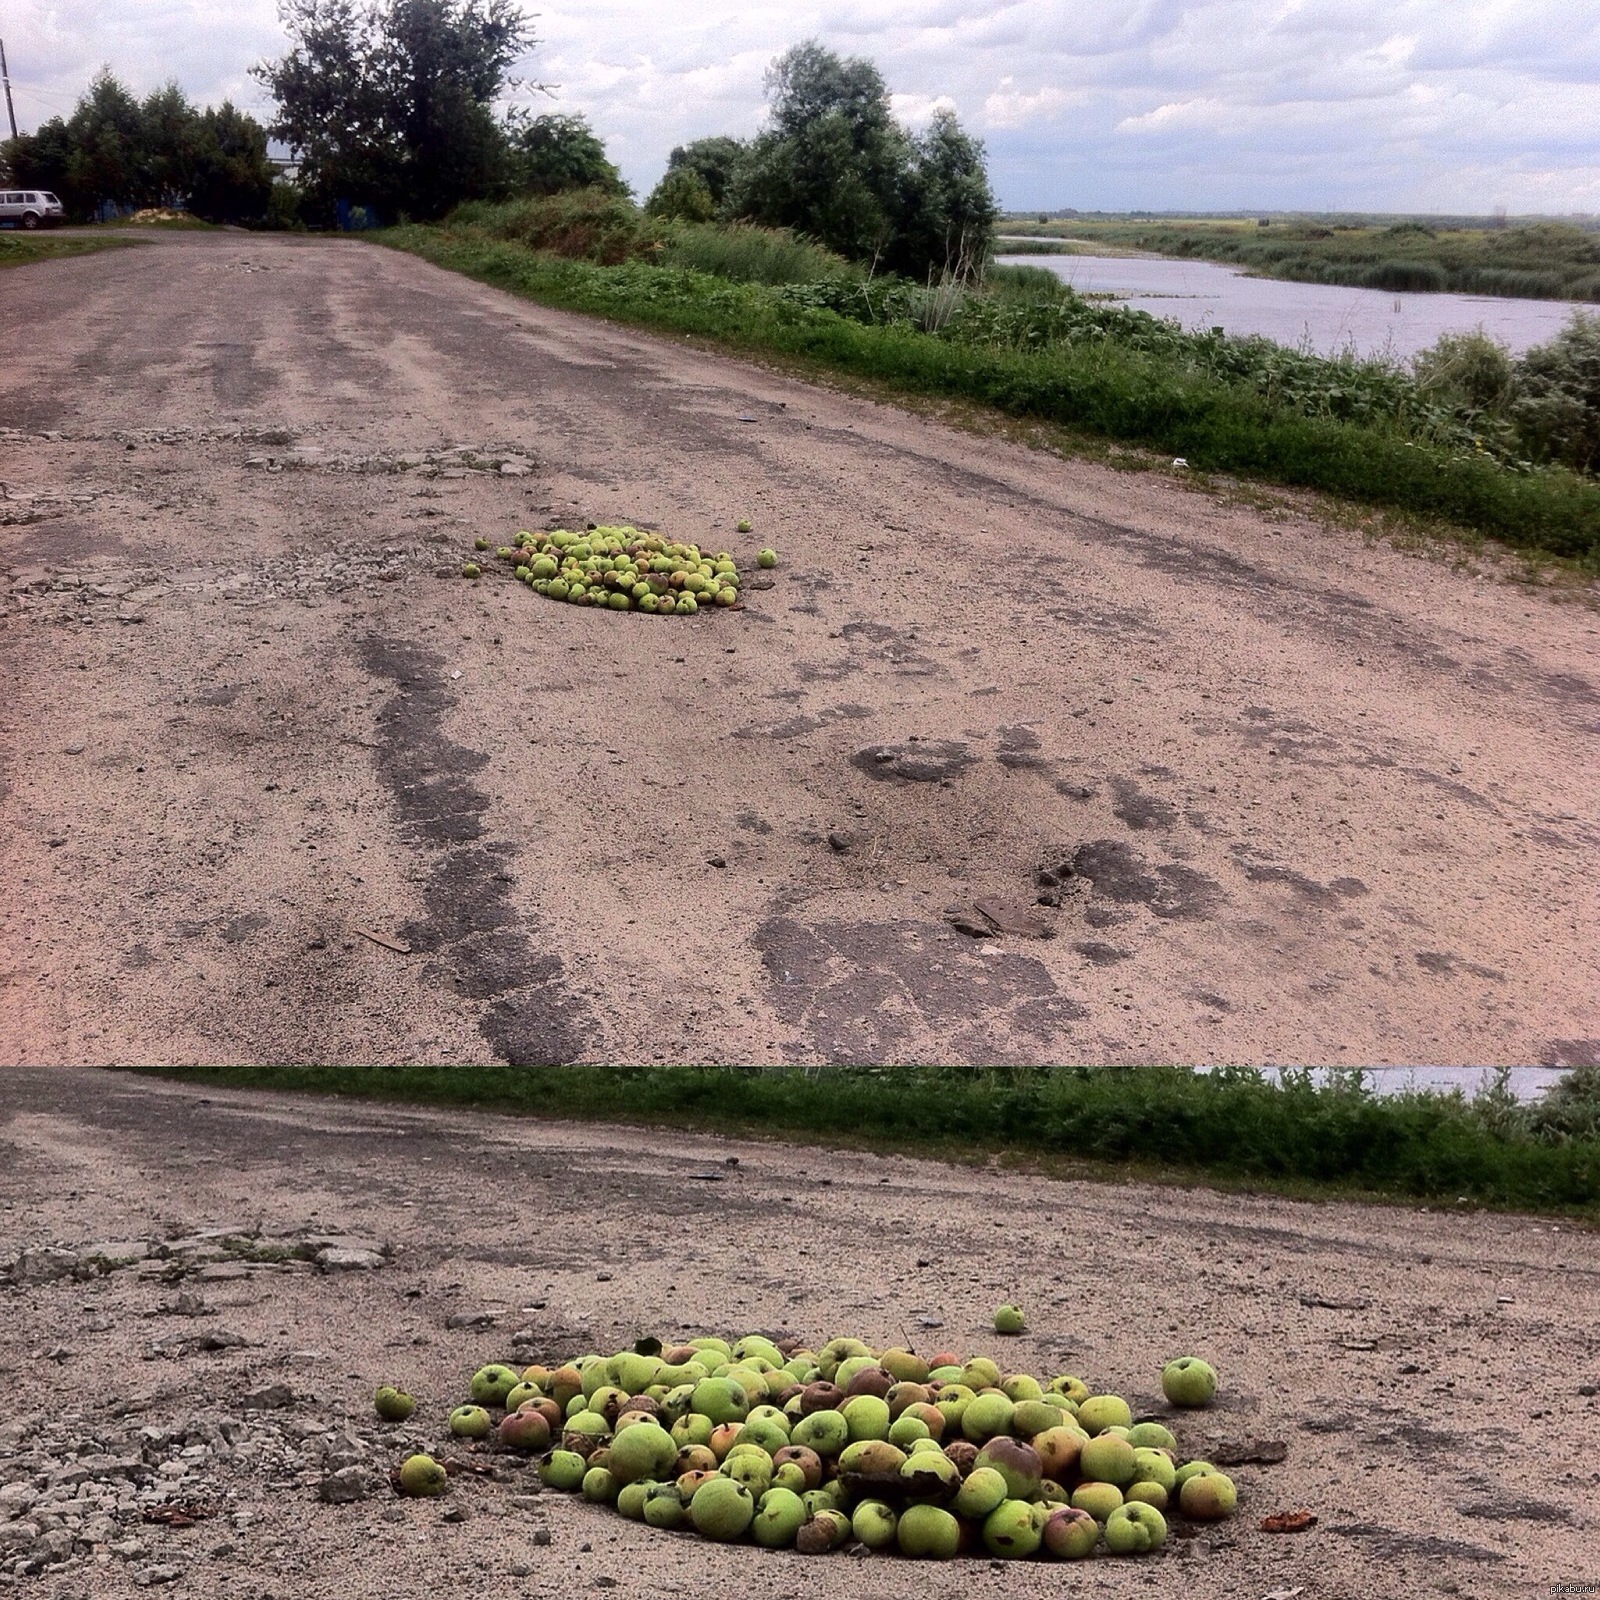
point(19, 249)
point(1099, 388)
point(1235, 1127)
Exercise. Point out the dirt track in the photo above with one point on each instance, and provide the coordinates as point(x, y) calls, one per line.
point(1322, 802)
point(1424, 1372)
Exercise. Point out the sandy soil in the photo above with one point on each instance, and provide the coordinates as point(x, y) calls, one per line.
point(1319, 802)
point(1423, 1373)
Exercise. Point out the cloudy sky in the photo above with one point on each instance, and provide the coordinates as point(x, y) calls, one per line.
point(1395, 105)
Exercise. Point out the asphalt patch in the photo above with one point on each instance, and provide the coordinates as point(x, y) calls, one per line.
point(864, 993)
point(1118, 873)
point(919, 761)
point(472, 931)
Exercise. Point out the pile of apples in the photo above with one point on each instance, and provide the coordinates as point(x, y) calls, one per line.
point(931, 1457)
point(623, 569)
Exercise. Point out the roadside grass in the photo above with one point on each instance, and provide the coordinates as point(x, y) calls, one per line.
point(18, 249)
point(1234, 1127)
point(1099, 386)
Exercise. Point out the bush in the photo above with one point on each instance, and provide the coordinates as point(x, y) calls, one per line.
point(1470, 369)
point(1557, 404)
point(681, 194)
point(595, 224)
point(747, 254)
point(1425, 277)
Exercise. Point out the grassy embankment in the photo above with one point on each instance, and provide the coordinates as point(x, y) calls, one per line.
point(1165, 1123)
point(1538, 261)
point(1030, 348)
point(18, 249)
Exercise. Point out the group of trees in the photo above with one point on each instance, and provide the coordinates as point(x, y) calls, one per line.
point(160, 151)
point(390, 105)
point(834, 164)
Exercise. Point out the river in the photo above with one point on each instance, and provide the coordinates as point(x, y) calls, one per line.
point(1324, 319)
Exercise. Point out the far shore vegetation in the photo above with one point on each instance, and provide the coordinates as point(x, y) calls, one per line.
point(1534, 260)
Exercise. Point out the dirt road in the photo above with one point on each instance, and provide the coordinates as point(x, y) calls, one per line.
point(164, 1342)
point(1308, 800)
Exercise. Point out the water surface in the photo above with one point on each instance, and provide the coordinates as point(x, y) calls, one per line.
point(1316, 316)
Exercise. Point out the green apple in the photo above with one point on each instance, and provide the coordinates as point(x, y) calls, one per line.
point(1058, 1449)
point(471, 569)
point(986, 1416)
point(1208, 1496)
point(663, 1506)
point(1134, 1528)
point(744, 525)
point(930, 1475)
point(778, 1518)
point(722, 1509)
point(1008, 1319)
point(767, 557)
point(722, 1400)
point(422, 1476)
point(825, 1432)
point(1009, 1530)
point(1098, 1499)
point(1189, 1381)
point(928, 1533)
point(564, 1470)
point(600, 1486)
point(1154, 1466)
point(644, 1451)
point(1151, 1436)
point(866, 1416)
point(1101, 1411)
point(470, 1422)
point(874, 1524)
point(1108, 1459)
point(981, 1491)
point(392, 1404)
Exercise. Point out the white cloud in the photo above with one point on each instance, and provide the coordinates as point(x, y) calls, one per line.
point(1114, 104)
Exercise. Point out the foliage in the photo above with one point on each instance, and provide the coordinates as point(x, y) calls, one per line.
point(746, 254)
point(158, 153)
point(682, 195)
point(1235, 1124)
point(553, 152)
point(712, 161)
point(834, 164)
point(1556, 405)
point(388, 103)
point(1246, 406)
point(596, 225)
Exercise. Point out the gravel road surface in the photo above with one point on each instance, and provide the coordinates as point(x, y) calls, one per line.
point(199, 1292)
point(1296, 798)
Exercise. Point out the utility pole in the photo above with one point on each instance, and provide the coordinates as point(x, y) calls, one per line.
point(5, 73)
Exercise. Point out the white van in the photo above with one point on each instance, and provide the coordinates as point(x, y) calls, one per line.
point(30, 208)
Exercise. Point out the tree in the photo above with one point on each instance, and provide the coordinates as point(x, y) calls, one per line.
point(232, 178)
point(832, 162)
point(713, 161)
point(159, 153)
point(950, 212)
point(389, 102)
point(681, 194)
point(554, 152)
point(835, 165)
